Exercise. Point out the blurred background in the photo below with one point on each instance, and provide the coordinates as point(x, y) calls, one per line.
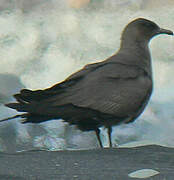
point(42, 42)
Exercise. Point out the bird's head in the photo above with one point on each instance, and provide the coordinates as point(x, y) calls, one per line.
point(142, 30)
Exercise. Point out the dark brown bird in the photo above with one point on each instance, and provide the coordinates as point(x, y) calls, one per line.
point(107, 93)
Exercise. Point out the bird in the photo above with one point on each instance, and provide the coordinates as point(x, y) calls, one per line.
point(103, 94)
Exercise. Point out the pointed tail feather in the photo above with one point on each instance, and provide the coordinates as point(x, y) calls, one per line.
point(21, 107)
point(29, 118)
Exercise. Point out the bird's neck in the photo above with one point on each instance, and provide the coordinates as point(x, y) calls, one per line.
point(137, 53)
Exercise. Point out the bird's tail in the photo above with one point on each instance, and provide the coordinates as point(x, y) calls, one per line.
point(30, 102)
point(29, 118)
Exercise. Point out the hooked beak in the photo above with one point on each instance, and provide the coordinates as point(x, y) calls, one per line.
point(165, 31)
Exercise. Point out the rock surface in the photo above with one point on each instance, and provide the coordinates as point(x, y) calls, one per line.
point(98, 164)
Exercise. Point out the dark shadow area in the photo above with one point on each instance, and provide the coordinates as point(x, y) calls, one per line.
point(9, 133)
point(10, 84)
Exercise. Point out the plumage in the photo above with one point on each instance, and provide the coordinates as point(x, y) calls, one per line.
point(107, 93)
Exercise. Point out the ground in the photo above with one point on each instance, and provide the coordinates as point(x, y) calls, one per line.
point(98, 164)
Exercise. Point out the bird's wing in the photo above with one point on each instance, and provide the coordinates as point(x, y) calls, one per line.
point(111, 88)
point(114, 88)
point(85, 70)
point(28, 100)
point(27, 95)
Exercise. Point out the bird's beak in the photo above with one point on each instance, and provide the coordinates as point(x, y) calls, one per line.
point(165, 31)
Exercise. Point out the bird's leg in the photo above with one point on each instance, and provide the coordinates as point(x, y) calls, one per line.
point(109, 135)
point(97, 131)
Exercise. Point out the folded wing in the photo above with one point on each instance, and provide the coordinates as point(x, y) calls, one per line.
point(110, 88)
